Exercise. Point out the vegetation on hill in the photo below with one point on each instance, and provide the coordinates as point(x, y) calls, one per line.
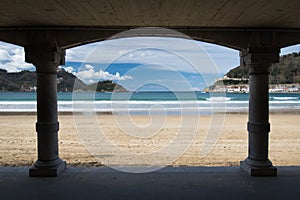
point(232, 81)
point(106, 86)
point(287, 71)
point(65, 81)
point(21, 81)
point(25, 81)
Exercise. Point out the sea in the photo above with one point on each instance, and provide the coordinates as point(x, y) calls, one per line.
point(145, 103)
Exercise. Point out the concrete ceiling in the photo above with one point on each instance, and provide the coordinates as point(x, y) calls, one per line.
point(165, 13)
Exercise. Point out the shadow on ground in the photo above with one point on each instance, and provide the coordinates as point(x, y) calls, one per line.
point(168, 183)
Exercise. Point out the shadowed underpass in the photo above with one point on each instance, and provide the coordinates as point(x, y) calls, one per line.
point(258, 29)
point(168, 183)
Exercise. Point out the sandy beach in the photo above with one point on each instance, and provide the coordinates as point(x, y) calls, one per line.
point(18, 140)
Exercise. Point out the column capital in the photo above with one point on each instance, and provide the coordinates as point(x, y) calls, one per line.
point(45, 58)
point(260, 55)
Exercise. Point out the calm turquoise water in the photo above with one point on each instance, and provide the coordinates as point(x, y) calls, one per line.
point(143, 101)
point(146, 96)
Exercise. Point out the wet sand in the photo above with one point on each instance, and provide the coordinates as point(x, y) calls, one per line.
point(18, 140)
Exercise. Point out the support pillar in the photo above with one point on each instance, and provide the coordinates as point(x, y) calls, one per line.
point(259, 59)
point(46, 60)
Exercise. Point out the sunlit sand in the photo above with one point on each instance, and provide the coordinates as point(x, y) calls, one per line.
point(18, 141)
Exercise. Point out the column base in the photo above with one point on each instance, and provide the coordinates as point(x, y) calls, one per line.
point(258, 168)
point(47, 169)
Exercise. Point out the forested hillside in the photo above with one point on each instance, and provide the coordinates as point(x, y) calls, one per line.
point(287, 71)
point(25, 81)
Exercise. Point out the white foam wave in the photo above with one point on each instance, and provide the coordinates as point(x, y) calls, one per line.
point(218, 99)
point(107, 106)
point(285, 98)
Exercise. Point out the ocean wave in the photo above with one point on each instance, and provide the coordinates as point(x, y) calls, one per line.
point(285, 98)
point(285, 102)
point(17, 102)
point(107, 105)
point(218, 99)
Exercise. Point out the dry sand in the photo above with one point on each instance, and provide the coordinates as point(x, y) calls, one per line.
point(18, 140)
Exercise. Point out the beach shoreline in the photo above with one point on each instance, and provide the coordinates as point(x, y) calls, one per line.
point(18, 139)
point(99, 113)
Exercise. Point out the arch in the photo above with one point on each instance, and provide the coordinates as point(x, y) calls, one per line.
point(237, 39)
point(75, 38)
point(68, 37)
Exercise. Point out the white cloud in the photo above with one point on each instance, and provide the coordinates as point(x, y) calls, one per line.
point(69, 69)
point(12, 58)
point(70, 55)
point(4, 55)
point(87, 66)
point(89, 75)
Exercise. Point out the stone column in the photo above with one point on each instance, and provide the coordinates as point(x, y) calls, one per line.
point(46, 59)
point(259, 59)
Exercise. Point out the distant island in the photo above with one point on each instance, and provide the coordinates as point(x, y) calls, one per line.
point(25, 81)
point(284, 77)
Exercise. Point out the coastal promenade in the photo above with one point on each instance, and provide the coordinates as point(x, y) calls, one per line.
point(169, 183)
point(258, 29)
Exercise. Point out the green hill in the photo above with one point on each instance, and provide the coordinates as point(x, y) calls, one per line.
point(25, 81)
point(106, 86)
point(15, 82)
point(287, 71)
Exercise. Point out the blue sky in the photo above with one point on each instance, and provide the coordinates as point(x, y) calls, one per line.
point(142, 63)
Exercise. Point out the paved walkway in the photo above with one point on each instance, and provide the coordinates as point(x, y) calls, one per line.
point(169, 183)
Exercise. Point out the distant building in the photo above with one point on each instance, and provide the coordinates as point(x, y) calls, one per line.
point(221, 85)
